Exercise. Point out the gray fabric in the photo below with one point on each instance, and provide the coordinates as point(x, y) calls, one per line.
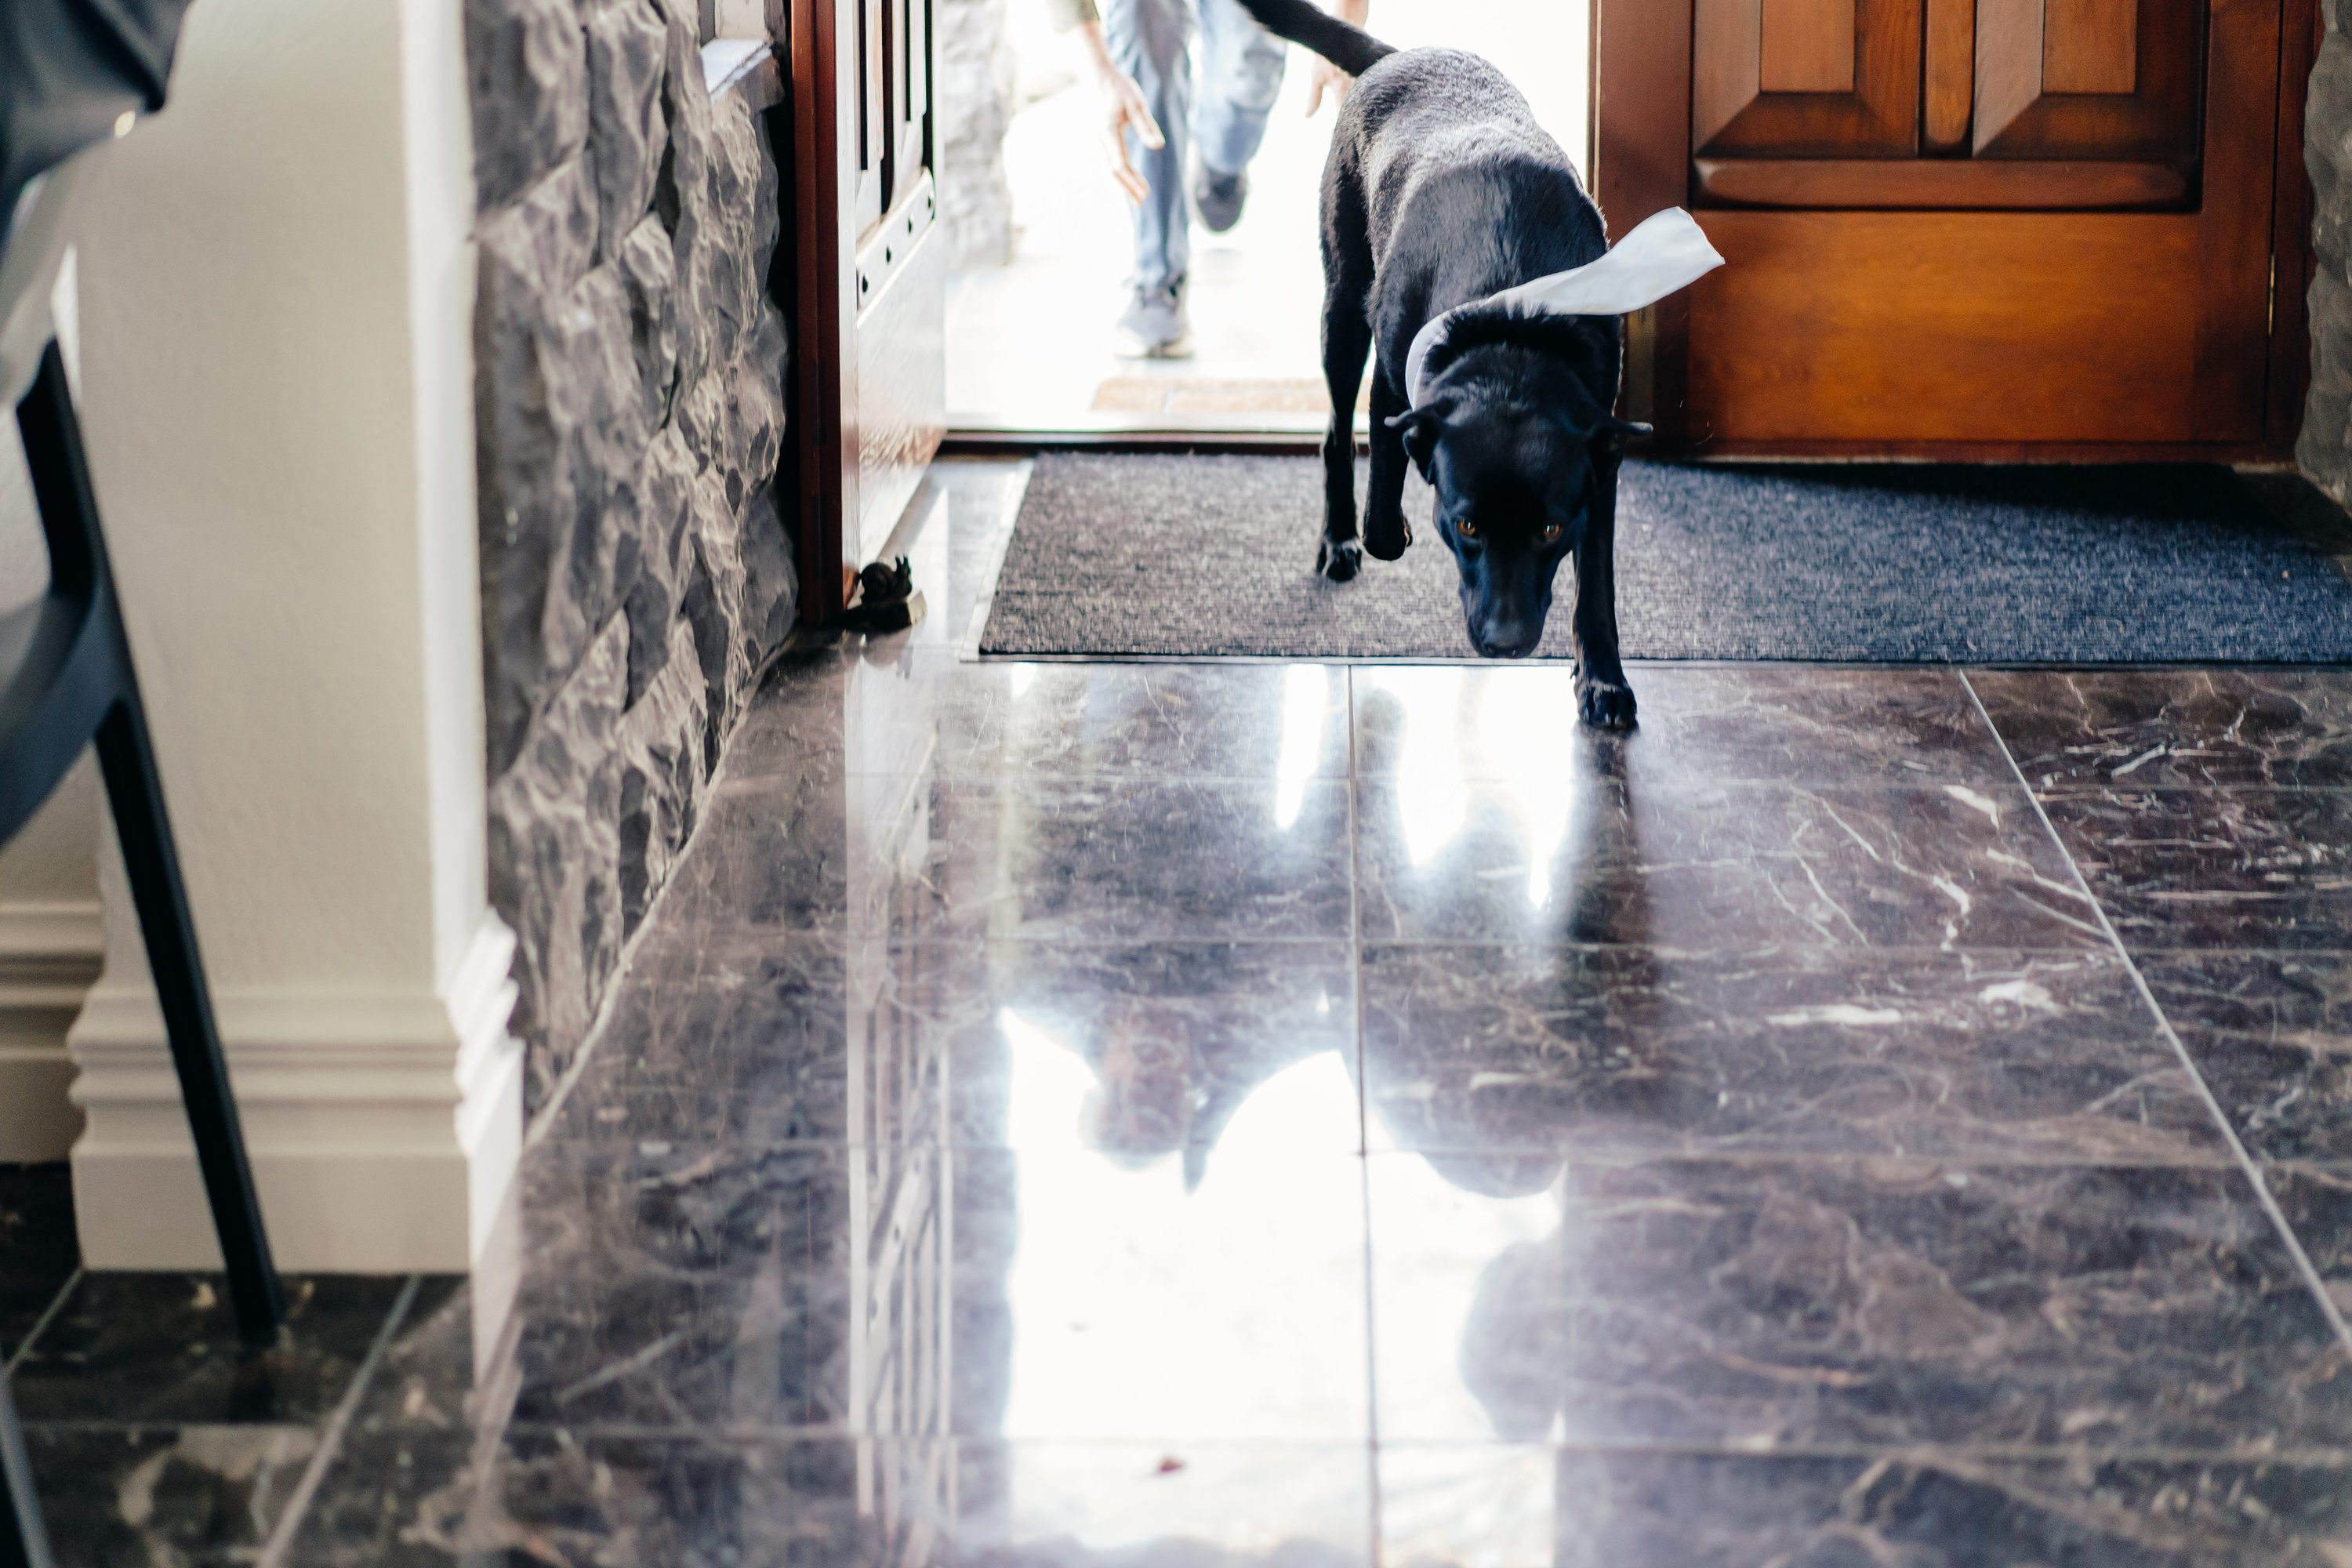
point(67, 69)
point(1894, 564)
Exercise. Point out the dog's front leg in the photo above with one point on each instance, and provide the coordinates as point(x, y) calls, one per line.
point(1603, 697)
point(1386, 533)
point(1347, 341)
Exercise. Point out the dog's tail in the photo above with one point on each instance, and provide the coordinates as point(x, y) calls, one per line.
point(1352, 49)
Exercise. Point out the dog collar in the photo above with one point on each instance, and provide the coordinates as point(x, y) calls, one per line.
point(1664, 252)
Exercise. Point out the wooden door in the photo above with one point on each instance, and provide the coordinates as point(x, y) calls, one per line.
point(1966, 228)
point(870, 283)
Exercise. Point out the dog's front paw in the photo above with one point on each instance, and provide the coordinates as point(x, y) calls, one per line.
point(1604, 704)
point(1339, 559)
point(1388, 537)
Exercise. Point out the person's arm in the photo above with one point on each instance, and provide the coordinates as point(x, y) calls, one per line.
point(1355, 13)
point(1122, 102)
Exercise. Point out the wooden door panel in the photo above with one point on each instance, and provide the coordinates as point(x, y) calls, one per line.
point(2041, 328)
point(869, 279)
point(1949, 96)
point(2087, 78)
point(1806, 46)
point(1806, 77)
point(2091, 45)
point(1887, 184)
point(2098, 284)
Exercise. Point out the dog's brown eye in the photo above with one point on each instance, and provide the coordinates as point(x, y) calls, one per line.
point(1551, 533)
point(1466, 529)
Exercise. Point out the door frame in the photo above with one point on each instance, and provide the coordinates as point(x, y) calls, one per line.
point(1640, 154)
point(838, 288)
point(823, 239)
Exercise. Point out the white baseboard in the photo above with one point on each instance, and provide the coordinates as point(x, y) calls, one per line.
point(385, 1128)
point(49, 955)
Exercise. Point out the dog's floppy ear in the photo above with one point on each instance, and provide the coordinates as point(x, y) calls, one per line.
point(1610, 436)
point(1421, 429)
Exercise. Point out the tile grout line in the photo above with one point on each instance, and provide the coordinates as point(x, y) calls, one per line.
point(2262, 1194)
point(331, 1440)
point(1363, 1122)
point(40, 1324)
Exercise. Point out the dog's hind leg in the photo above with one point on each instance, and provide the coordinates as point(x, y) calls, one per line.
point(1346, 343)
point(1603, 697)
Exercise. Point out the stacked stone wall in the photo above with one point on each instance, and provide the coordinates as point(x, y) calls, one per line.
point(2324, 450)
point(978, 77)
point(629, 404)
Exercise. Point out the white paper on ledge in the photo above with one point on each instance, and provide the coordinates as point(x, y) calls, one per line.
point(1664, 252)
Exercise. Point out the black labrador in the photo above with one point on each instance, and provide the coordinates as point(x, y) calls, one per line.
point(1441, 190)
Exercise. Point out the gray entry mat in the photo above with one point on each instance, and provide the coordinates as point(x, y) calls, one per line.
point(1213, 556)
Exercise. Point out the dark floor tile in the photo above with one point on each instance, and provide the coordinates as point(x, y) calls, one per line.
point(774, 1038)
point(1738, 867)
point(1916, 1510)
point(2271, 1035)
point(911, 1293)
point(39, 1251)
point(1754, 1306)
point(415, 1500)
point(447, 1366)
point(186, 1496)
point(2146, 729)
point(2217, 869)
point(1014, 722)
point(1056, 861)
point(2317, 1203)
point(163, 1348)
point(1709, 724)
point(1596, 1052)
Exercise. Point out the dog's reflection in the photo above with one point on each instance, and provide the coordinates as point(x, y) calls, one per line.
point(1177, 1054)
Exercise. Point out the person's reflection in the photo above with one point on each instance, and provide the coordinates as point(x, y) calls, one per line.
point(1163, 1088)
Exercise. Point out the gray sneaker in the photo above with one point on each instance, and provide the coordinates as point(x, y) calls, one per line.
point(1218, 198)
point(1154, 327)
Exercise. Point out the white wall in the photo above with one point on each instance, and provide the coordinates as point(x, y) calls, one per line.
point(276, 306)
point(50, 939)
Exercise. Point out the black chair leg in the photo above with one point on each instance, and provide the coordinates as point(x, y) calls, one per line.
point(126, 757)
point(23, 1542)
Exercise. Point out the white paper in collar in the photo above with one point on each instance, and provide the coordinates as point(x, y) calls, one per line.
point(1664, 252)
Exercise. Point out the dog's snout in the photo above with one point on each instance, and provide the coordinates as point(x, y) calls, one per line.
point(1506, 637)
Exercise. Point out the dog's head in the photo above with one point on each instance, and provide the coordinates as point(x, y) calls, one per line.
point(1517, 442)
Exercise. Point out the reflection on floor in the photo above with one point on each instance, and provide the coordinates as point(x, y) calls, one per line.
point(1165, 1114)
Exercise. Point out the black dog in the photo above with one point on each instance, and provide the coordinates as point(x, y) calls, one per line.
point(1441, 191)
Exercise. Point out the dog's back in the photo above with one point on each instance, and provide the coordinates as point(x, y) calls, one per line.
point(1463, 191)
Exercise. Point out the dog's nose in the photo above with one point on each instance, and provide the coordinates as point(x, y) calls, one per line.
point(1503, 640)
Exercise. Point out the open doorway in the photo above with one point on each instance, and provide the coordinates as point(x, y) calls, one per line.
point(1047, 238)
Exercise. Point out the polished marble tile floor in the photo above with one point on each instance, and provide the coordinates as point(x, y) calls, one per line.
point(1164, 1114)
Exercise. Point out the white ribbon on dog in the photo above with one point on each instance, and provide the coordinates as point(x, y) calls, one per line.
point(1664, 252)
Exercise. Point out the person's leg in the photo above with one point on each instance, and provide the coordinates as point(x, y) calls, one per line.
point(1147, 40)
point(1241, 76)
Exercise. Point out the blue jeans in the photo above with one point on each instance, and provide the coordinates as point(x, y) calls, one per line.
point(1240, 74)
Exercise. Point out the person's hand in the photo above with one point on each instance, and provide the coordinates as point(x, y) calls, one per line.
point(1328, 76)
point(1123, 111)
